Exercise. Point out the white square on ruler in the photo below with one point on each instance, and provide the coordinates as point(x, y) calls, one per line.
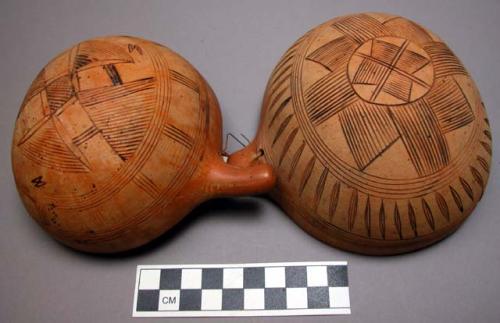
point(317, 276)
point(191, 279)
point(232, 278)
point(149, 279)
point(339, 297)
point(169, 300)
point(254, 299)
point(275, 277)
point(296, 297)
point(211, 299)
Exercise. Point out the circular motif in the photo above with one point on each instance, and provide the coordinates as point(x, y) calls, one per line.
point(390, 149)
point(390, 71)
point(381, 143)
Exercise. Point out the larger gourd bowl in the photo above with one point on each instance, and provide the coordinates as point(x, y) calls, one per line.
point(377, 134)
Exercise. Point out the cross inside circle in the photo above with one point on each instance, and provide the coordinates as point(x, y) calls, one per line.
point(390, 71)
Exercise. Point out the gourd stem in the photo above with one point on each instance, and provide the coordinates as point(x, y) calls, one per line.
point(244, 178)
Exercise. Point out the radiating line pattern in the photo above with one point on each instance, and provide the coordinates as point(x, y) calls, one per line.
point(431, 100)
point(388, 66)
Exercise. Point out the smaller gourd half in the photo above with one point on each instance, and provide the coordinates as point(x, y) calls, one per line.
point(117, 139)
point(377, 134)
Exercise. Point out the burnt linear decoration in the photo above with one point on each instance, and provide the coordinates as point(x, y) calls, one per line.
point(478, 178)
point(281, 129)
point(287, 145)
point(279, 110)
point(386, 85)
point(178, 136)
point(390, 66)
point(295, 160)
point(334, 200)
point(306, 175)
point(352, 211)
point(280, 100)
point(428, 214)
point(320, 187)
point(85, 135)
point(368, 218)
point(120, 114)
point(443, 206)
point(412, 219)
point(147, 185)
point(397, 221)
point(106, 106)
point(457, 199)
point(381, 219)
point(184, 80)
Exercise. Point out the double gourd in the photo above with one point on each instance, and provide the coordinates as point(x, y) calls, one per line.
point(374, 130)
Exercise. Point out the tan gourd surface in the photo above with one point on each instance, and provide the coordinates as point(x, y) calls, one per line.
point(117, 139)
point(377, 134)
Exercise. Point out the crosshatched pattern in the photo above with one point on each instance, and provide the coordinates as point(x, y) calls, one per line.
point(93, 128)
point(390, 71)
point(377, 133)
point(250, 288)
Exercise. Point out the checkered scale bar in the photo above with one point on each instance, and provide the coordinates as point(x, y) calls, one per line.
point(312, 288)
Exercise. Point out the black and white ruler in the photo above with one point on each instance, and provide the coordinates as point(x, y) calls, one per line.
point(263, 289)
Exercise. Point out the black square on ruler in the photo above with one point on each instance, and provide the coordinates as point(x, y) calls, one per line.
point(190, 300)
point(275, 298)
point(147, 300)
point(337, 276)
point(211, 278)
point(318, 297)
point(170, 278)
point(232, 299)
point(253, 277)
point(296, 276)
